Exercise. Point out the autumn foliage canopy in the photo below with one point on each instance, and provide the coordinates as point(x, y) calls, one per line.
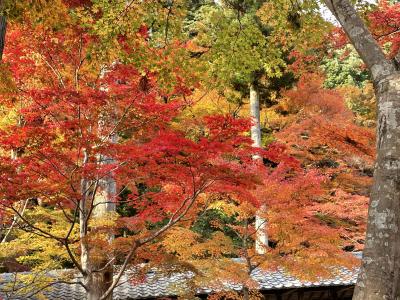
point(105, 161)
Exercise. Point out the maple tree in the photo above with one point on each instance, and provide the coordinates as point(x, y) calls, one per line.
point(226, 228)
point(319, 130)
point(385, 25)
point(91, 129)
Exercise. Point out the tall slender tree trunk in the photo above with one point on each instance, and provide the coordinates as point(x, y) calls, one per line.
point(261, 223)
point(98, 201)
point(3, 28)
point(83, 229)
point(379, 277)
point(103, 277)
point(99, 271)
point(255, 115)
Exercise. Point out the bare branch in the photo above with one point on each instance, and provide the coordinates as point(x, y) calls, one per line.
point(48, 234)
point(173, 220)
point(15, 220)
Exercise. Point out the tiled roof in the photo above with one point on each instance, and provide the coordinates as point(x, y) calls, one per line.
point(163, 286)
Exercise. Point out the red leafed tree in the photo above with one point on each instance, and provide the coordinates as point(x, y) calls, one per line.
point(85, 131)
point(298, 239)
point(320, 132)
point(385, 25)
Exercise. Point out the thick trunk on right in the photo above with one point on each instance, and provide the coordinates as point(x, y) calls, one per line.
point(380, 273)
point(379, 276)
point(261, 223)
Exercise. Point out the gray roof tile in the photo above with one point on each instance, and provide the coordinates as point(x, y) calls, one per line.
point(162, 286)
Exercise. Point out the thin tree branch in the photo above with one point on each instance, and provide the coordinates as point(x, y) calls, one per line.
point(15, 220)
point(144, 241)
point(361, 38)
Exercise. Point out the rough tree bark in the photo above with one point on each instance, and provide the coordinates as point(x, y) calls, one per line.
point(379, 276)
point(100, 277)
point(261, 224)
point(97, 202)
point(83, 228)
point(104, 201)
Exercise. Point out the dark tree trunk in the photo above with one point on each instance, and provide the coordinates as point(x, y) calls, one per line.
point(3, 27)
point(246, 294)
point(379, 276)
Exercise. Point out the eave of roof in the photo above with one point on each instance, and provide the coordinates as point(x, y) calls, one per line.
point(164, 286)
